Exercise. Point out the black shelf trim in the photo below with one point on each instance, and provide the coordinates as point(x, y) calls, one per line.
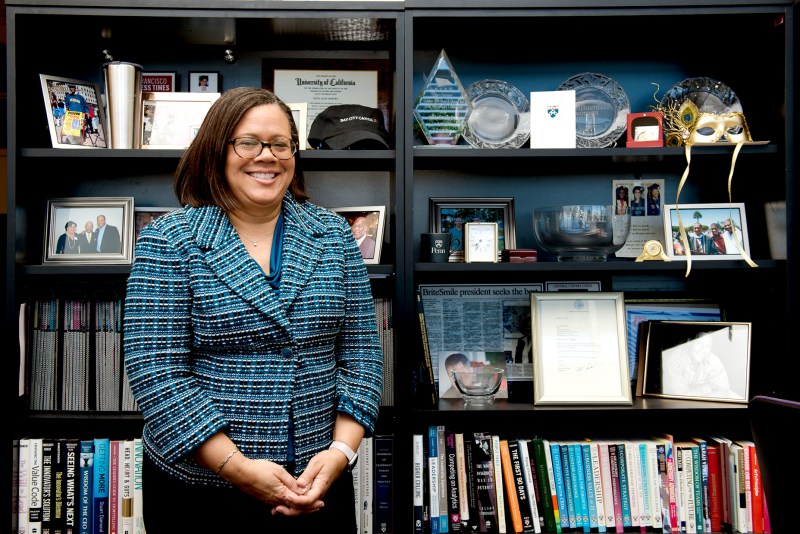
point(613, 265)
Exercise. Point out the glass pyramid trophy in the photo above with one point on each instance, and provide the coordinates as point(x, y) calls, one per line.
point(437, 108)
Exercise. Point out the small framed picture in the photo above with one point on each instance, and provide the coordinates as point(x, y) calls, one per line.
point(712, 231)
point(697, 360)
point(144, 215)
point(159, 82)
point(480, 242)
point(89, 230)
point(300, 115)
point(205, 82)
point(367, 223)
point(171, 120)
point(579, 349)
point(449, 215)
point(75, 114)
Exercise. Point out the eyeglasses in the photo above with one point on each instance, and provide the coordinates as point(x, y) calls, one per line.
point(249, 148)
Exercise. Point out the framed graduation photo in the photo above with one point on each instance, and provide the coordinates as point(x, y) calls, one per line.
point(75, 114)
point(367, 224)
point(205, 82)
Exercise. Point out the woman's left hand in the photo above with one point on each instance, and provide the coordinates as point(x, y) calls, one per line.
point(323, 469)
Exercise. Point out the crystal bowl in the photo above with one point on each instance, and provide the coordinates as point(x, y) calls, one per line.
point(581, 232)
point(478, 385)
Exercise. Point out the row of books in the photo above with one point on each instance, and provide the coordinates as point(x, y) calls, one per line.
point(72, 486)
point(372, 485)
point(71, 355)
point(480, 482)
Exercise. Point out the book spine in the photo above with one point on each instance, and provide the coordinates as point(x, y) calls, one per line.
point(358, 484)
point(23, 486)
point(689, 489)
point(757, 487)
point(138, 488)
point(671, 484)
point(472, 490)
point(680, 490)
point(530, 483)
point(418, 473)
point(661, 455)
point(72, 449)
point(427, 366)
point(540, 457)
point(511, 486)
point(643, 487)
point(498, 478)
point(631, 473)
point(624, 487)
point(59, 487)
point(597, 481)
point(484, 482)
point(613, 460)
point(453, 506)
point(572, 505)
point(36, 489)
point(100, 485)
point(48, 457)
point(126, 493)
point(548, 456)
point(86, 481)
point(433, 478)
point(579, 485)
point(461, 468)
point(747, 489)
point(537, 493)
point(605, 475)
point(444, 519)
point(704, 474)
point(521, 489)
point(654, 478)
point(588, 476)
point(114, 458)
point(561, 491)
point(368, 485)
point(697, 479)
point(714, 489)
point(384, 453)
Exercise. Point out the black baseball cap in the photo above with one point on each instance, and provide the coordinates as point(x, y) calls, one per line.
point(349, 126)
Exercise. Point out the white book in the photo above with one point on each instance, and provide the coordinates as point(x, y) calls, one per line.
point(35, 486)
point(553, 119)
point(461, 471)
point(597, 482)
point(498, 477)
point(418, 473)
point(654, 477)
point(632, 467)
point(643, 485)
point(358, 484)
point(368, 486)
point(138, 488)
point(126, 491)
point(680, 501)
point(23, 491)
point(605, 474)
point(527, 473)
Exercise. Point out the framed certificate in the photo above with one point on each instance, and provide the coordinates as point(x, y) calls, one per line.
point(579, 348)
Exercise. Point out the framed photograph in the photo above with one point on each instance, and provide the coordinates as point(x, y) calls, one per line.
point(159, 82)
point(300, 115)
point(205, 82)
point(89, 230)
point(450, 214)
point(579, 349)
point(75, 114)
point(698, 360)
point(480, 242)
point(639, 311)
point(713, 231)
point(144, 215)
point(171, 120)
point(367, 223)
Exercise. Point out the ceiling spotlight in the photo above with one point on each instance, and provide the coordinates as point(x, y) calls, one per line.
point(229, 57)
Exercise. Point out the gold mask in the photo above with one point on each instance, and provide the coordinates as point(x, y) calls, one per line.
point(697, 127)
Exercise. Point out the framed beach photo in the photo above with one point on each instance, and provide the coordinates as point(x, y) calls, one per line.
point(159, 82)
point(713, 231)
point(75, 114)
point(171, 120)
point(89, 230)
point(697, 360)
point(300, 115)
point(205, 82)
point(579, 349)
point(450, 214)
point(142, 216)
point(367, 223)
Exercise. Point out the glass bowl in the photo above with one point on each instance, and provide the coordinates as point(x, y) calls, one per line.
point(581, 232)
point(478, 385)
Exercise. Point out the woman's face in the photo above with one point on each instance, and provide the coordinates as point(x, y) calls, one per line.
point(260, 183)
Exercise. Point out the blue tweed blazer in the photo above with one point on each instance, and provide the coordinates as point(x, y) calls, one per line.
point(210, 346)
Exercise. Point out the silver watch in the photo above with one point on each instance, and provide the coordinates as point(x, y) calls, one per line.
point(352, 456)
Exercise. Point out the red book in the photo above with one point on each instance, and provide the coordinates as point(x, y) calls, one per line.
point(715, 494)
point(757, 487)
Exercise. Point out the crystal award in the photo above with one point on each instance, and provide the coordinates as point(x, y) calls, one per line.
point(437, 106)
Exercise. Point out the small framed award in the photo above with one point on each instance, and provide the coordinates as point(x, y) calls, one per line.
point(480, 242)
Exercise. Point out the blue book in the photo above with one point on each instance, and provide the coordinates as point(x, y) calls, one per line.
point(561, 491)
point(586, 449)
point(86, 481)
point(100, 489)
point(572, 505)
point(578, 486)
point(624, 497)
point(383, 483)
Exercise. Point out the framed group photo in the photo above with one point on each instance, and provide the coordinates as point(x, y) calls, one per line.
point(75, 114)
point(367, 224)
point(89, 230)
point(171, 120)
point(205, 82)
point(713, 231)
point(450, 214)
point(697, 360)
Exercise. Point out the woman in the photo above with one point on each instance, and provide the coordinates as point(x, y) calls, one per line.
point(68, 242)
point(621, 203)
point(251, 343)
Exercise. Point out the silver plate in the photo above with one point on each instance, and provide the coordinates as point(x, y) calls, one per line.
point(710, 96)
point(499, 118)
point(601, 109)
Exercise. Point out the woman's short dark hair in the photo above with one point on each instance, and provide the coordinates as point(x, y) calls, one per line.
point(200, 176)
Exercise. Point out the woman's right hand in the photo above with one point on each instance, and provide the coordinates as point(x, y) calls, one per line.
point(266, 481)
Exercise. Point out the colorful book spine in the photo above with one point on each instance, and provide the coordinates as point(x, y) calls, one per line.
point(502, 528)
point(451, 483)
point(484, 482)
point(608, 488)
point(643, 487)
point(588, 476)
point(444, 520)
point(561, 490)
point(473, 523)
point(578, 486)
point(631, 471)
point(23, 485)
point(368, 485)
point(704, 473)
point(384, 457)
point(572, 504)
point(461, 466)
point(86, 480)
point(509, 480)
point(597, 481)
point(418, 474)
point(71, 451)
point(100, 485)
point(545, 484)
point(757, 487)
point(527, 473)
point(35, 475)
point(521, 489)
point(114, 459)
point(48, 458)
point(624, 487)
point(433, 478)
point(613, 460)
point(126, 491)
point(714, 488)
point(548, 455)
point(138, 488)
point(697, 479)
point(59, 487)
point(654, 478)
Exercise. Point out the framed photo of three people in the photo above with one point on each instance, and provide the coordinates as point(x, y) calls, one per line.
point(89, 230)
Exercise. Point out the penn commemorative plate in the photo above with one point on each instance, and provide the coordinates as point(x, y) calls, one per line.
point(710, 96)
point(500, 116)
point(601, 109)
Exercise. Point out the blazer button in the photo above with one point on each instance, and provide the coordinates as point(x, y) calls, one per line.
point(287, 353)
